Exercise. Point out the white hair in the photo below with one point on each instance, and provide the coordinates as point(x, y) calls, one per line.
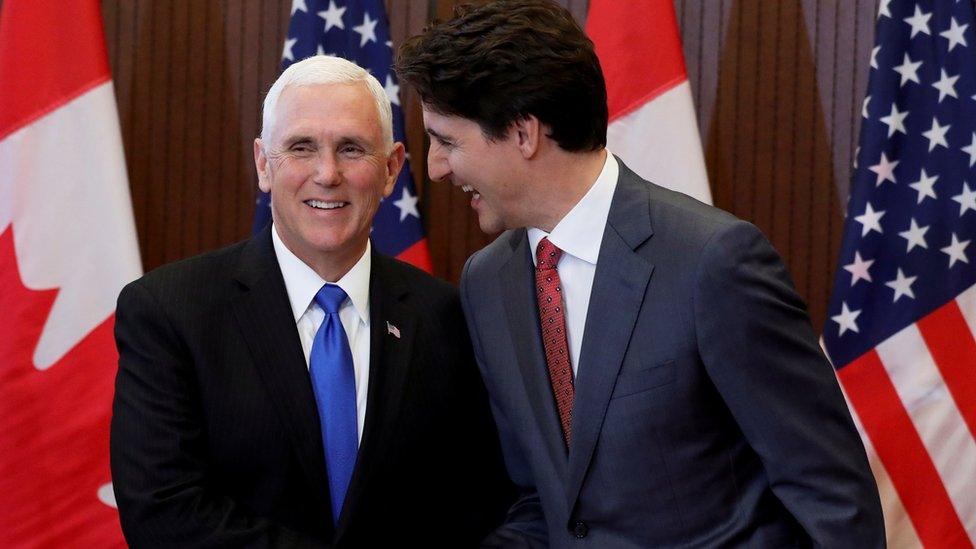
point(326, 69)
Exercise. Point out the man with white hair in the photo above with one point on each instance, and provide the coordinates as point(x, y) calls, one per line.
point(299, 389)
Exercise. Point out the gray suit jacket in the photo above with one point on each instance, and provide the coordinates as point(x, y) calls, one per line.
point(705, 413)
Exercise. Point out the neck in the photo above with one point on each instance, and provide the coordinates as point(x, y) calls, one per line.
point(331, 270)
point(564, 178)
point(330, 266)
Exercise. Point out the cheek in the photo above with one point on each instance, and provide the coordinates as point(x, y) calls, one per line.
point(371, 187)
point(291, 171)
point(460, 164)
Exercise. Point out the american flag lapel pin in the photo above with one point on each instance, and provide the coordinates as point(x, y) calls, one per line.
point(391, 329)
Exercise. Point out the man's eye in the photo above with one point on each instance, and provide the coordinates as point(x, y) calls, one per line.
point(351, 150)
point(301, 147)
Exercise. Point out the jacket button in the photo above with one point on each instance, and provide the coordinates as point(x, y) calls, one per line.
point(580, 529)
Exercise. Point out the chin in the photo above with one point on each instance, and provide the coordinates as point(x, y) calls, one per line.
point(341, 242)
point(332, 246)
point(491, 226)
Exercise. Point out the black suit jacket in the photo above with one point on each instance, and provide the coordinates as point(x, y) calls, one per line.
point(705, 414)
point(215, 436)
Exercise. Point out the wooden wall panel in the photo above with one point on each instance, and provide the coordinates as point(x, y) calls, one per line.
point(777, 86)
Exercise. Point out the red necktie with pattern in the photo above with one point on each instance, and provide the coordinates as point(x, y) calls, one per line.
point(553, 322)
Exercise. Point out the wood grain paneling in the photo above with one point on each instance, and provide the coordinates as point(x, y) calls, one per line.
point(777, 86)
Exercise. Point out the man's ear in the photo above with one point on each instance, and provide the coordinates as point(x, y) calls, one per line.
point(394, 162)
point(528, 135)
point(261, 165)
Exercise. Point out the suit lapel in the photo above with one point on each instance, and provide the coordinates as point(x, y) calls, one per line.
point(518, 292)
point(619, 286)
point(268, 326)
point(389, 364)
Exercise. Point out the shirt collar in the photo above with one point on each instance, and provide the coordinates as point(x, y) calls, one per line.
point(302, 282)
point(580, 232)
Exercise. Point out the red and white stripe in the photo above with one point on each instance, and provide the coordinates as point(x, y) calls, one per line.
point(653, 127)
point(67, 246)
point(914, 397)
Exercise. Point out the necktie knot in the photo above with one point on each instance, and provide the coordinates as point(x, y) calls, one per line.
point(330, 298)
point(547, 255)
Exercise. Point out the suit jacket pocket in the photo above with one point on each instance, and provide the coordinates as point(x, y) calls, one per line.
point(643, 380)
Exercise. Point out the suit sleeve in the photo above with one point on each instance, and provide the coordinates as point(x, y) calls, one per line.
point(524, 525)
point(761, 353)
point(158, 451)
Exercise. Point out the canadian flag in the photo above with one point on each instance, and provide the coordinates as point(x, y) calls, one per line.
point(653, 128)
point(67, 246)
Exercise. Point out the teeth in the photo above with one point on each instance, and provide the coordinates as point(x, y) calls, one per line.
point(477, 195)
point(467, 188)
point(321, 205)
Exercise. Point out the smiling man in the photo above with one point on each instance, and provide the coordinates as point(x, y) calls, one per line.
point(652, 371)
point(299, 389)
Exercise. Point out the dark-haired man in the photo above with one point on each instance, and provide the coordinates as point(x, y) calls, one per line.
point(653, 373)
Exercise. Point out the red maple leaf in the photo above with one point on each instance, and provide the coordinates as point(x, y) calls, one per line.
point(54, 425)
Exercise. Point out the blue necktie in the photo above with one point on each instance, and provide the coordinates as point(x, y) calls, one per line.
point(334, 384)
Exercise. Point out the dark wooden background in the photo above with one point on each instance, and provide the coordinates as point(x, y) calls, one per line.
point(777, 84)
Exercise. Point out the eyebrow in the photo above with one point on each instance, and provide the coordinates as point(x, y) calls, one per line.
point(301, 138)
point(434, 133)
point(298, 138)
point(355, 140)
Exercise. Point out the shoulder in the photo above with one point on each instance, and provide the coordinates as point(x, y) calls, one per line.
point(223, 259)
point(680, 214)
point(189, 279)
point(711, 246)
point(433, 302)
point(686, 222)
point(718, 239)
point(416, 281)
point(489, 259)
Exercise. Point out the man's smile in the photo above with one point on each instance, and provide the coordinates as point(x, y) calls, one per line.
point(470, 189)
point(326, 205)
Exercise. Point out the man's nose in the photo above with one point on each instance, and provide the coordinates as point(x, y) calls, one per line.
point(437, 167)
point(327, 170)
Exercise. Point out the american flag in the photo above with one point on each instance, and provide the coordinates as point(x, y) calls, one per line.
point(903, 311)
point(358, 31)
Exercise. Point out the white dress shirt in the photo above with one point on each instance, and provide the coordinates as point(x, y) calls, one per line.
point(302, 283)
point(579, 235)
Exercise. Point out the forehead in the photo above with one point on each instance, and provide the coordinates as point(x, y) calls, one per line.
point(318, 108)
point(448, 124)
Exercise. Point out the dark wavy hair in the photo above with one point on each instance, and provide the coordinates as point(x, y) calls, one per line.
point(503, 61)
